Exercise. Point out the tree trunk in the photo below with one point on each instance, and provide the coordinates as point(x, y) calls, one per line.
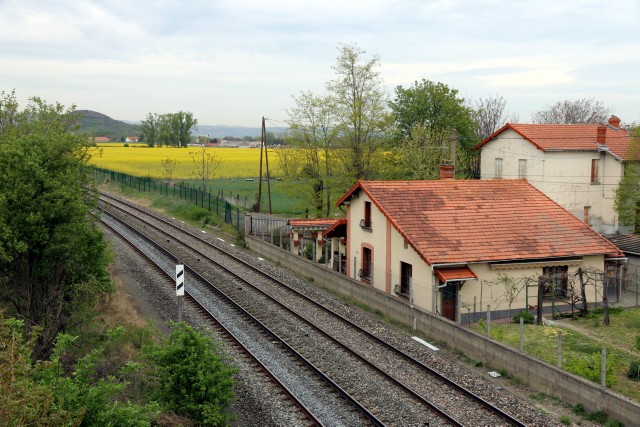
point(540, 299)
point(583, 292)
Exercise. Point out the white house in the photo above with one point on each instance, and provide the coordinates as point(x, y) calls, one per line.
point(441, 245)
point(578, 166)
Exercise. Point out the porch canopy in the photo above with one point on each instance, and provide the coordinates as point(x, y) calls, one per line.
point(454, 274)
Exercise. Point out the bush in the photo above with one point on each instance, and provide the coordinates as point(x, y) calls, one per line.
point(638, 343)
point(525, 315)
point(634, 370)
point(195, 380)
point(597, 416)
point(578, 409)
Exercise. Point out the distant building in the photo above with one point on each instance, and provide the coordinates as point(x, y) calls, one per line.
point(132, 139)
point(98, 139)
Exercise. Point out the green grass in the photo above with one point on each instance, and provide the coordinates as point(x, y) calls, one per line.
point(178, 208)
point(579, 348)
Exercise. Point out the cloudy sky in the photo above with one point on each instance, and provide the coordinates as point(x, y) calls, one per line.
point(233, 61)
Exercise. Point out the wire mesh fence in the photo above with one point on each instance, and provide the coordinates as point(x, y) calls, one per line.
point(205, 199)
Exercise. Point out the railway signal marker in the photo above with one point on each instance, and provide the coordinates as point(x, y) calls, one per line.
point(180, 280)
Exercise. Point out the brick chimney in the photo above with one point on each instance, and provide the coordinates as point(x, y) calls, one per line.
point(602, 135)
point(447, 171)
point(614, 121)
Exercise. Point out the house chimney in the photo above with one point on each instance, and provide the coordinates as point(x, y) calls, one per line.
point(602, 134)
point(447, 171)
point(614, 121)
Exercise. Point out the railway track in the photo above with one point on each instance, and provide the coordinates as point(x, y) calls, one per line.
point(240, 320)
point(421, 387)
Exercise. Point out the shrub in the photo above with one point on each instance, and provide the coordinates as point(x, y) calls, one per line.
point(634, 370)
point(525, 315)
point(578, 409)
point(597, 416)
point(195, 380)
point(638, 343)
point(565, 420)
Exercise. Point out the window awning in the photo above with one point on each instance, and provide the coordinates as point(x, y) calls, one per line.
point(455, 274)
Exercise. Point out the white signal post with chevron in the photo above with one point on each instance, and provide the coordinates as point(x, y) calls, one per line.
point(179, 288)
point(180, 280)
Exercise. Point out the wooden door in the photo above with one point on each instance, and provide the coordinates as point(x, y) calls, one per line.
point(449, 298)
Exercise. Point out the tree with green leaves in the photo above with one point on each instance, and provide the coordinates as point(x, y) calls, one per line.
point(436, 107)
point(313, 141)
point(150, 127)
point(170, 129)
point(360, 106)
point(182, 123)
point(52, 255)
point(627, 197)
point(420, 154)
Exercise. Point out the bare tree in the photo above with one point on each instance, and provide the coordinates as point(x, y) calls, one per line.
point(510, 288)
point(168, 167)
point(490, 115)
point(580, 111)
point(313, 131)
point(205, 164)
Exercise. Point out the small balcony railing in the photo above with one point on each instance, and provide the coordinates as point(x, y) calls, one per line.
point(365, 225)
point(364, 274)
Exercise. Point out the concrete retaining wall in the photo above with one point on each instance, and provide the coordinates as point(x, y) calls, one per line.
point(539, 375)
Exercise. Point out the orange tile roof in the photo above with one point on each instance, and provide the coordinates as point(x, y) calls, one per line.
point(338, 229)
point(456, 273)
point(457, 221)
point(567, 137)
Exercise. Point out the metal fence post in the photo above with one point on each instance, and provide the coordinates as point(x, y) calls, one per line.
point(521, 333)
point(489, 320)
point(559, 349)
point(603, 368)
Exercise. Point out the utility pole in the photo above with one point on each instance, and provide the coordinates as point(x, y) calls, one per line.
point(263, 145)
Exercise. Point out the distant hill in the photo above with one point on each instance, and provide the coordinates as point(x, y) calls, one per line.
point(220, 131)
point(98, 124)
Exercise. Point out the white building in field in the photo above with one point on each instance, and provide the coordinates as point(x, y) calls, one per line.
point(578, 166)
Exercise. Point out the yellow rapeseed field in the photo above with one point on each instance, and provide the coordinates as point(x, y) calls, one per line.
point(146, 161)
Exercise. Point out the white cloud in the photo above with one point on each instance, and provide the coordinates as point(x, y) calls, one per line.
point(230, 61)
